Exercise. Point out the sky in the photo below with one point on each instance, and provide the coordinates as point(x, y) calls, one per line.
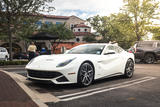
point(86, 8)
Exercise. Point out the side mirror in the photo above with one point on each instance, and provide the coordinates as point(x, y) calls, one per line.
point(110, 52)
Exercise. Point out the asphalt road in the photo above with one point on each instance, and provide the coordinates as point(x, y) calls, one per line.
point(143, 90)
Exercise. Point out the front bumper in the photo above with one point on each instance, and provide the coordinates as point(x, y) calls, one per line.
point(64, 76)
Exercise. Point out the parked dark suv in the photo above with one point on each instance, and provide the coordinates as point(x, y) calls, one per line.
point(146, 51)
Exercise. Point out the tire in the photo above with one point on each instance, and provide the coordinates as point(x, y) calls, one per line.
point(149, 58)
point(129, 68)
point(85, 74)
point(6, 58)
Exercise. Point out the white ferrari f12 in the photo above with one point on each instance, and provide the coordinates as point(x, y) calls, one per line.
point(82, 64)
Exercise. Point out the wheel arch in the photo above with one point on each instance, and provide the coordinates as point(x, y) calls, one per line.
point(87, 61)
point(131, 59)
point(126, 63)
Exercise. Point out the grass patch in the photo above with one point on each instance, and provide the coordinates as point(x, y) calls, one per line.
point(2, 63)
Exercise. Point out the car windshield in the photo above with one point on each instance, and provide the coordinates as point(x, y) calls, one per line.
point(87, 49)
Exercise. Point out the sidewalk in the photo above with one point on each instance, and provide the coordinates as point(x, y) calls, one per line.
point(12, 95)
point(13, 66)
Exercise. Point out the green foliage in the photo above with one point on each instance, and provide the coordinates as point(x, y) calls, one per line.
point(116, 27)
point(142, 13)
point(2, 63)
point(155, 30)
point(14, 13)
point(59, 30)
point(89, 38)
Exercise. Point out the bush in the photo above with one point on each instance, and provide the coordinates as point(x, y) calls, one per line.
point(2, 63)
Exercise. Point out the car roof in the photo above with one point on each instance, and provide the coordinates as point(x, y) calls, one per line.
point(98, 44)
point(152, 41)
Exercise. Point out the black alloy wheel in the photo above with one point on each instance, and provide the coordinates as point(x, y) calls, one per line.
point(85, 74)
point(129, 69)
point(149, 59)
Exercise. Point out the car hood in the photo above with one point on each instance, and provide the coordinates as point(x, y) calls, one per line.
point(52, 61)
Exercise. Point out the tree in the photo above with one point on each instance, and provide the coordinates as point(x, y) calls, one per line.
point(27, 29)
point(59, 30)
point(142, 13)
point(155, 30)
point(13, 13)
point(116, 27)
point(89, 38)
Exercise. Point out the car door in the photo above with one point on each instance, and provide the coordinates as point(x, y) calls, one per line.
point(110, 61)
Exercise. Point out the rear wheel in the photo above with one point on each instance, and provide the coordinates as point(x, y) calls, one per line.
point(149, 58)
point(85, 74)
point(129, 69)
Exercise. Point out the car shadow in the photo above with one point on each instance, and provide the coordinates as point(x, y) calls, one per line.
point(50, 87)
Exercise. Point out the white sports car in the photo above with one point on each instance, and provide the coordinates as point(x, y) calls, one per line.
point(82, 64)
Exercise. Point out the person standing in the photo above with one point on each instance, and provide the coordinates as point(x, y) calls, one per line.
point(32, 50)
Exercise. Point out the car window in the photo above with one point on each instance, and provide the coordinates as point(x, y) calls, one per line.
point(3, 50)
point(87, 49)
point(118, 49)
point(112, 48)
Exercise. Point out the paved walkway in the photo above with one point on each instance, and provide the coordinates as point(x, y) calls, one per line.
point(13, 66)
point(12, 95)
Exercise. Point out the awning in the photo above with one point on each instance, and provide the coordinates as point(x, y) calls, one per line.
point(43, 36)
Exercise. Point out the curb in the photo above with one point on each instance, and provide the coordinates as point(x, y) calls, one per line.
point(13, 66)
point(28, 91)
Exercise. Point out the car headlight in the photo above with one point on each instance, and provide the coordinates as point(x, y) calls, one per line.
point(65, 62)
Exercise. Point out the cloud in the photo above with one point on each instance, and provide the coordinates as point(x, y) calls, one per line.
point(86, 8)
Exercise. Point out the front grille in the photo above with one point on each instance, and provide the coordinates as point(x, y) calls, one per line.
point(43, 74)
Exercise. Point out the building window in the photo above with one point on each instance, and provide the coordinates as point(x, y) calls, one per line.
point(72, 26)
point(58, 23)
point(85, 30)
point(79, 30)
point(77, 39)
point(39, 23)
point(47, 23)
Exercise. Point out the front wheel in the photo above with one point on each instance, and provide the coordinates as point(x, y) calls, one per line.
point(85, 74)
point(129, 69)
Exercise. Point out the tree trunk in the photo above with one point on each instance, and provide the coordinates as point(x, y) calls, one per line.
point(9, 34)
point(136, 26)
point(10, 44)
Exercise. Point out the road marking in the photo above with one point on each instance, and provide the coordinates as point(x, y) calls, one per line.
point(95, 89)
point(103, 89)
